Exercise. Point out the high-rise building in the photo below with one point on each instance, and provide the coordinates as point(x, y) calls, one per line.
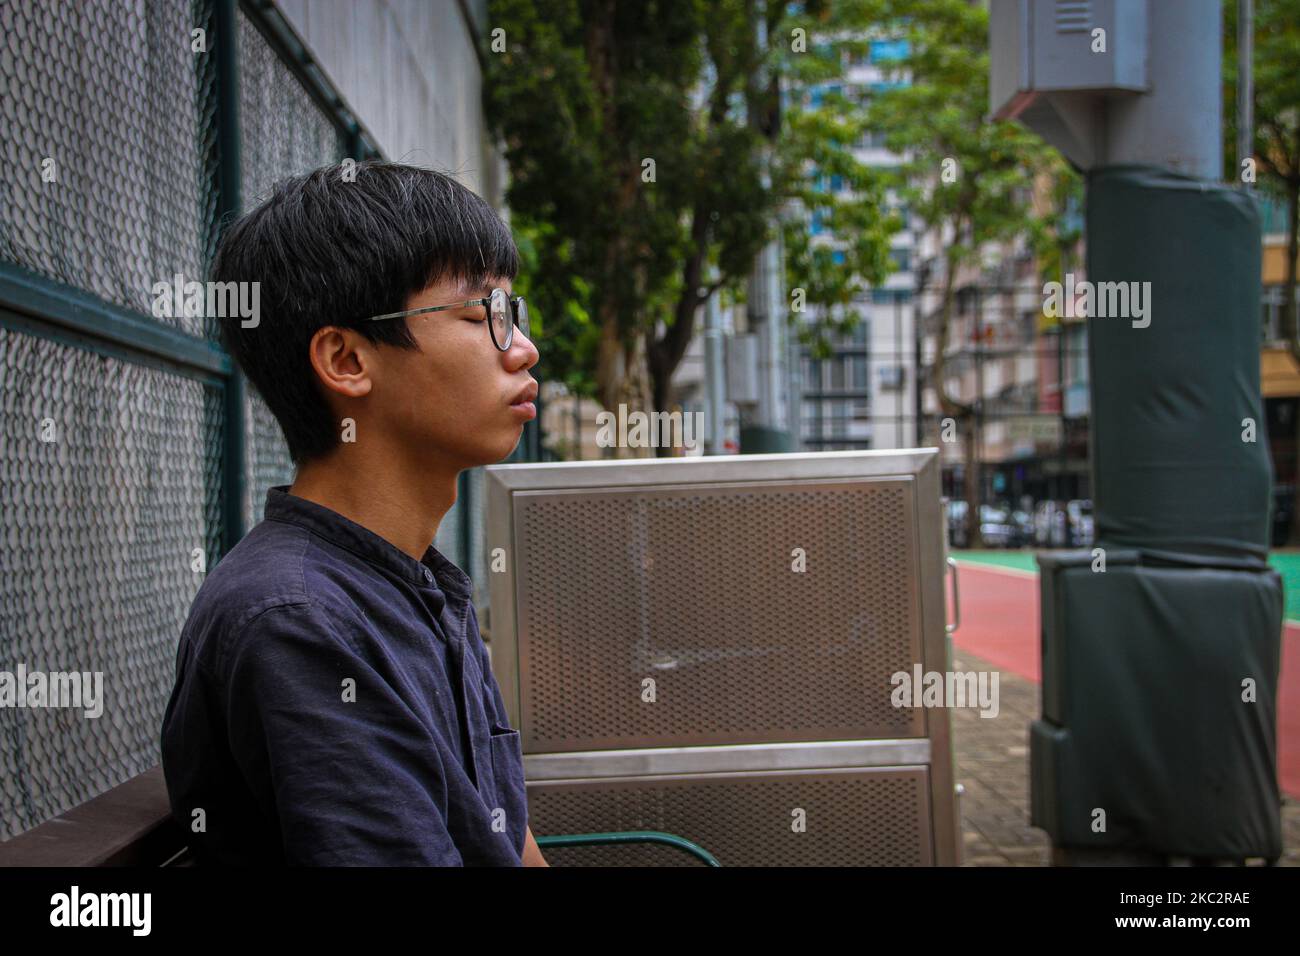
point(864, 394)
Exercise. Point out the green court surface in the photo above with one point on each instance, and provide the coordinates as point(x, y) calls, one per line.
point(1286, 562)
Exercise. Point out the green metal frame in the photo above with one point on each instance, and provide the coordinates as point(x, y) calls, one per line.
point(35, 305)
point(360, 144)
point(630, 836)
point(229, 187)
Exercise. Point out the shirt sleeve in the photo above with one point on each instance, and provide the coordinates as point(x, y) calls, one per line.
point(352, 774)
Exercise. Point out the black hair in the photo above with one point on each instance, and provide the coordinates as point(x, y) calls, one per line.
point(330, 248)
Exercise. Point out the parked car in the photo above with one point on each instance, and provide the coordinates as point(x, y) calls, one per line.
point(1024, 522)
point(1079, 514)
point(997, 528)
point(1050, 529)
point(956, 512)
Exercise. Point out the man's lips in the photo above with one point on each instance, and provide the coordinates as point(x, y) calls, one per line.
point(526, 394)
point(523, 402)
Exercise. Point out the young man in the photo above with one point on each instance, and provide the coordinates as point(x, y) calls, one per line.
point(333, 701)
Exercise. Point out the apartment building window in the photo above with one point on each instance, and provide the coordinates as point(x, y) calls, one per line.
point(871, 139)
point(1076, 345)
point(890, 296)
point(1271, 303)
point(889, 51)
point(835, 375)
point(1028, 325)
point(857, 373)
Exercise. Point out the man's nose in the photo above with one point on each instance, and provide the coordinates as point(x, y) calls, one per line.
point(522, 352)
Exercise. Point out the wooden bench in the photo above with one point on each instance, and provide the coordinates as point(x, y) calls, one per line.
point(130, 825)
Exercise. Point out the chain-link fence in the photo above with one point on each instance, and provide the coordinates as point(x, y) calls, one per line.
point(119, 476)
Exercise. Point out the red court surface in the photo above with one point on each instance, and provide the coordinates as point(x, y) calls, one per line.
point(999, 622)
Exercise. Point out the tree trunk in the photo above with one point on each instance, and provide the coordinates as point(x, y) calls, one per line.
point(621, 375)
point(963, 415)
point(1290, 329)
point(665, 354)
point(1288, 316)
point(972, 483)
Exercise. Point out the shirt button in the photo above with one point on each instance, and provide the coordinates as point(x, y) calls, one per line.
point(428, 575)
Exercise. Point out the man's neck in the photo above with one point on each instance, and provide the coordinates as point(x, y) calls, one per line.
point(403, 505)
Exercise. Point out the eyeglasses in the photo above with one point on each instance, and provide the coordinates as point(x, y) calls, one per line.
point(503, 313)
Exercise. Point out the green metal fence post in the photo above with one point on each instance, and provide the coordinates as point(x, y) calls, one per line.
point(464, 504)
point(229, 204)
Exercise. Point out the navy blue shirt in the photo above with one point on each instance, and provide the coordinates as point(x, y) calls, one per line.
point(334, 705)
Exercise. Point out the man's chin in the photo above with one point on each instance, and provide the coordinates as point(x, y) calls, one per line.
point(499, 451)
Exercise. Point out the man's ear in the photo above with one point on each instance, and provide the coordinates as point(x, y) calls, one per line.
point(343, 359)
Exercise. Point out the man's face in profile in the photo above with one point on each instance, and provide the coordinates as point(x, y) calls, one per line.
point(459, 397)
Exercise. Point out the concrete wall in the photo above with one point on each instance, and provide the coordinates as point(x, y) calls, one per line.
point(409, 70)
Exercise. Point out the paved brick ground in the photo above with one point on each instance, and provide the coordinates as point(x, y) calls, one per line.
point(993, 766)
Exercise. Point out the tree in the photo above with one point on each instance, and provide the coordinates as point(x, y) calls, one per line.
point(834, 268)
point(1276, 154)
point(969, 179)
point(646, 144)
point(1276, 100)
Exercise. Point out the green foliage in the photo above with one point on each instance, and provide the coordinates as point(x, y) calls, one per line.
point(817, 144)
point(1276, 66)
point(585, 93)
point(559, 303)
point(939, 122)
point(1276, 103)
point(587, 90)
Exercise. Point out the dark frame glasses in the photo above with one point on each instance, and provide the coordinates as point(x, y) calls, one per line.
point(503, 313)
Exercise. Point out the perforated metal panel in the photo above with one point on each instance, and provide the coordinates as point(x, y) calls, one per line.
point(770, 598)
point(877, 817)
point(695, 588)
point(96, 562)
point(102, 184)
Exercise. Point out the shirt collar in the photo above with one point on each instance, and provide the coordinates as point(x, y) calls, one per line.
point(432, 571)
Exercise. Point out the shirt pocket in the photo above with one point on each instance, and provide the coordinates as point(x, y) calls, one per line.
point(508, 776)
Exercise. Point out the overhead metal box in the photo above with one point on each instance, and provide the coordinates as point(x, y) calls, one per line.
point(705, 646)
point(1038, 48)
point(1045, 70)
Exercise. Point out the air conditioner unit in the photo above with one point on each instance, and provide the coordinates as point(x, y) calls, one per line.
point(891, 376)
point(1054, 64)
point(705, 647)
point(742, 369)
